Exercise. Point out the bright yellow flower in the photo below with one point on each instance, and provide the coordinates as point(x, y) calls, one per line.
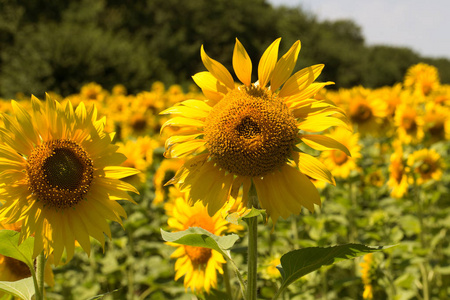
point(425, 164)
point(247, 133)
point(398, 179)
point(93, 92)
point(60, 176)
point(422, 78)
point(198, 265)
point(409, 123)
point(139, 155)
point(269, 267)
point(163, 174)
point(365, 110)
point(367, 269)
point(437, 122)
point(339, 162)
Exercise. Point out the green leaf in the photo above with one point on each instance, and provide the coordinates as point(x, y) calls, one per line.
point(235, 217)
point(9, 246)
point(298, 263)
point(23, 288)
point(199, 237)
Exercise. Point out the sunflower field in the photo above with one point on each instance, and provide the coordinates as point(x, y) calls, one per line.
point(108, 194)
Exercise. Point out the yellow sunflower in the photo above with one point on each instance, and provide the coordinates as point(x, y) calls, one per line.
point(339, 162)
point(398, 179)
point(163, 174)
point(437, 122)
point(422, 78)
point(244, 134)
point(365, 110)
point(367, 270)
point(12, 269)
point(425, 164)
point(198, 265)
point(60, 175)
point(409, 123)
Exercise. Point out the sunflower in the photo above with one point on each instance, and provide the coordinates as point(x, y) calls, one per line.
point(163, 174)
point(12, 269)
point(60, 176)
point(139, 155)
point(341, 163)
point(365, 110)
point(437, 122)
point(398, 179)
point(198, 265)
point(248, 134)
point(269, 265)
point(409, 123)
point(422, 78)
point(367, 273)
point(425, 164)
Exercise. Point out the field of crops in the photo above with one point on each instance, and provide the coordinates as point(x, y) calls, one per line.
point(392, 191)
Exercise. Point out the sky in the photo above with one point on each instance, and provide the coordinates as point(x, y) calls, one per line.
point(423, 26)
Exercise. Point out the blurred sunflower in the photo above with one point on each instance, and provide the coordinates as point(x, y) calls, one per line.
point(342, 163)
point(12, 269)
point(246, 134)
point(367, 273)
point(437, 122)
point(425, 164)
point(166, 170)
point(60, 176)
point(365, 110)
point(139, 155)
point(268, 267)
point(198, 265)
point(409, 123)
point(398, 179)
point(422, 78)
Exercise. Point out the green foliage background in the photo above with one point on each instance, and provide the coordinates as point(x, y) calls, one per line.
point(61, 45)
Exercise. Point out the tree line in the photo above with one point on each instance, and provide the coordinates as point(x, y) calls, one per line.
point(61, 45)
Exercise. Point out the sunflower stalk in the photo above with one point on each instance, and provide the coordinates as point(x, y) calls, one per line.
point(252, 247)
point(39, 283)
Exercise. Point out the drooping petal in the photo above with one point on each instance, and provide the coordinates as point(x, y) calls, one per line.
point(183, 122)
point(217, 70)
point(314, 168)
point(242, 64)
point(285, 66)
point(267, 63)
point(321, 143)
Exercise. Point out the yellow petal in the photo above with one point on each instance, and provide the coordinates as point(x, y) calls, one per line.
point(207, 81)
point(175, 139)
point(309, 92)
point(183, 149)
point(242, 64)
point(217, 70)
point(187, 112)
point(183, 122)
point(118, 172)
point(320, 123)
point(314, 168)
point(198, 104)
point(321, 143)
point(285, 66)
point(300, 80)
point(24, 120)
point(267, 63)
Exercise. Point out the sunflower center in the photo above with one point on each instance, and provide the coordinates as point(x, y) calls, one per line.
point(18, 268)
point(198, 255)
point(409, 123)
point(60, 173)
point(250, 132)
point(362, 113)
point(426, 168)
point(339, 157)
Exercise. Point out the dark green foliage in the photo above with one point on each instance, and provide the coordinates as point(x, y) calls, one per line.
point(61, 45)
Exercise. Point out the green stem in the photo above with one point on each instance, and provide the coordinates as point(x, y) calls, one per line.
point(423, 265)
point(40, 267)
point(252, 257)
point(226, 279)
point(252, 246)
